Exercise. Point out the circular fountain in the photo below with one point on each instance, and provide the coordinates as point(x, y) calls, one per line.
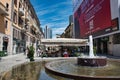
point(91, 60)
point(70, 69)
point(86, 68)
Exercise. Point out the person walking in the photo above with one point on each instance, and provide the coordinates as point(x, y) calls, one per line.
point(65, 54)
point(38, 52)
point(24, 50)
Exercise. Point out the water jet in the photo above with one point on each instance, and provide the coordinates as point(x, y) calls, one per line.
point(91, 60)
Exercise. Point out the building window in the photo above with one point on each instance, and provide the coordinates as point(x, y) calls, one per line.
point(13, 33)
point(6, 23)
point(20, 6)
point(15, 3)
point(16, 34)
point(20, 21)
point(19, 35)
point(26, 38)
point(15, 17)
point(7, 6)
point(116, 38)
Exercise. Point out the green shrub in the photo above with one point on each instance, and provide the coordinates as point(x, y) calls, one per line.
point(31, 53)
point(44, 55)
point(2, 53)
point(77, 54)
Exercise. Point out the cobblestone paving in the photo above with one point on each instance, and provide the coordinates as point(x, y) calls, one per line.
point(6, 63)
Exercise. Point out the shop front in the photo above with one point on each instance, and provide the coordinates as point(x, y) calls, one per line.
point(101, 45)
point(18, 46)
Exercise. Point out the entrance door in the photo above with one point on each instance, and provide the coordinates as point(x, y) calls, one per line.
point(5, 44)
point(105, 47)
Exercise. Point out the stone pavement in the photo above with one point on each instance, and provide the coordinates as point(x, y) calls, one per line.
point(7, 62)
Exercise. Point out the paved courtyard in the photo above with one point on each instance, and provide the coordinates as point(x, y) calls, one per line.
point(6, 63)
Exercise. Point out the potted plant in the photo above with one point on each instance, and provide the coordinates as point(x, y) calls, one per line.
point(31, 53)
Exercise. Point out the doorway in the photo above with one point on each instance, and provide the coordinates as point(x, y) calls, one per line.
point(105, 47)
point(5, 45)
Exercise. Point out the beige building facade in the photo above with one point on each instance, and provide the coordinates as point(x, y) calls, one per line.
point(23, 26)
point(68, 33)
point(5, 23)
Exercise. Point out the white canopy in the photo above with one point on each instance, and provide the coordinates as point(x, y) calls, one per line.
point(64, 42)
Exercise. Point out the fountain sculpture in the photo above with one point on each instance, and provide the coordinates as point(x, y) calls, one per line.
point(91, 60)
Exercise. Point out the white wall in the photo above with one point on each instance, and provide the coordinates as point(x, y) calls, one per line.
point(110, 45)
point(115, 12)
point(1, 41)
point(76, 4)
point(119, 12)
point(116, 50)
point(114, 8)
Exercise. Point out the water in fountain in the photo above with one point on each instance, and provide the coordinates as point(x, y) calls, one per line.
point(91, 60)
point(91, 54)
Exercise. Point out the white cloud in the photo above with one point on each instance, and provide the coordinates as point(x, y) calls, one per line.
point(57, 31)
point(55, 16)
point(60, 29)
point(43, 12)
point(43, 7)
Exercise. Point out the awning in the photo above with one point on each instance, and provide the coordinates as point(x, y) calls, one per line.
point(64, 42)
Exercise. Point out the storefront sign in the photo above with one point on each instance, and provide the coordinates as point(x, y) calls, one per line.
point(94, 16)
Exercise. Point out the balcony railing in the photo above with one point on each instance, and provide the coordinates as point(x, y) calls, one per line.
point(3, 10)
point(26, 18)
point(21, 24)
point(23, 30)
point(21, 12)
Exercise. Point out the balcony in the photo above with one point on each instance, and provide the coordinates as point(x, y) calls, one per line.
point(29, 24)
point(26, 26)
point(21, 12)
point(23, 30)
point(21, 25)
point(26, 18)
point(3, 10)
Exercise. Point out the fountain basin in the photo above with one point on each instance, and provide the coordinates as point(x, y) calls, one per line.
point(94, 62)
point(70, 69)
point(30, 71)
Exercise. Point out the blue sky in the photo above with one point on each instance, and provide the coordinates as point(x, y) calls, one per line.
point(53, 13)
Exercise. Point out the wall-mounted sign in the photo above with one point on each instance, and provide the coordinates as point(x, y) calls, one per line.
point(93, 16)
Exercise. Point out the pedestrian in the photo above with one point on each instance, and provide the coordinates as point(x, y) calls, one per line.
point(24, 50)
point(38, 52)
point(65, 54)
point(27, 52)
